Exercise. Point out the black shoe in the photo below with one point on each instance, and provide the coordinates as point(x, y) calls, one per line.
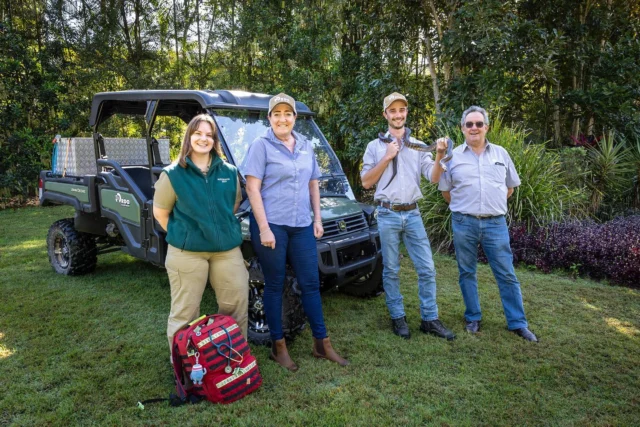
point(435, 327)
point(401, 328)
point(526, 334)
point(472, 326)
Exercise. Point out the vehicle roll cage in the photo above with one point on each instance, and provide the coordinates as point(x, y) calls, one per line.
point(184, 104)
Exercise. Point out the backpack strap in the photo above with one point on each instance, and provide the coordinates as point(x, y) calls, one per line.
point(177, 372)
point(173, 400)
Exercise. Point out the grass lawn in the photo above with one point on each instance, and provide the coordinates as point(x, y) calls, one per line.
point(84, 350)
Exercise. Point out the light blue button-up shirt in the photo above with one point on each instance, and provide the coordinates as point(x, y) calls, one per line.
point(412, 164)
point(285, 177)
point(479, 183)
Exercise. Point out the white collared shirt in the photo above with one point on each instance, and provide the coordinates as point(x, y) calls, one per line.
point(412, 165)
point(479, 183)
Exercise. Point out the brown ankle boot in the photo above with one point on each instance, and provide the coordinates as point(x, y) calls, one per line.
point(322, 349)
point(281, 356)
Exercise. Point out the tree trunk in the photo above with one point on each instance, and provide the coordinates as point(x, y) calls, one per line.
point(137, 31)
point(429, 5)
point(175, 35)
point(575, 126)
point(125, 28)
point(198, 36)
point(557, 130)
point(434, 76)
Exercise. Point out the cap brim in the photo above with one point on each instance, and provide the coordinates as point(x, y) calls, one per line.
point(285, 103)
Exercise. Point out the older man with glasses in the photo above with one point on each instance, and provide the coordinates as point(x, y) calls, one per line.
point(479, 180)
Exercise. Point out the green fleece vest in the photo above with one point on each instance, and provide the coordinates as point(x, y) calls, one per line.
point(202, 219)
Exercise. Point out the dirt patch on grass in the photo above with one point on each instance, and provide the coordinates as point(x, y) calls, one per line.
point(17, 202)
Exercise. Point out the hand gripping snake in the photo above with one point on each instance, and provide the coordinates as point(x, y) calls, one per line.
point(418, 146)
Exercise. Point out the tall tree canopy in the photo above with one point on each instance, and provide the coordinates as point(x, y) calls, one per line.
point(565, 69)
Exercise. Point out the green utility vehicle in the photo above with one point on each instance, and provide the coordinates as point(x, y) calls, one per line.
point(109, 182)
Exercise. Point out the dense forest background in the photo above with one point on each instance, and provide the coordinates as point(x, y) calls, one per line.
point(566, 72)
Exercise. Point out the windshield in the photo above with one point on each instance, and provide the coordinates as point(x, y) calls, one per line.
point(239, 129)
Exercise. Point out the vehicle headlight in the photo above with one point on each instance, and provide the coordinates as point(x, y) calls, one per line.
point(373, 217)
point(370, 214)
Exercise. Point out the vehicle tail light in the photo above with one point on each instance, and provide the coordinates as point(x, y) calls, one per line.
point(40, 184)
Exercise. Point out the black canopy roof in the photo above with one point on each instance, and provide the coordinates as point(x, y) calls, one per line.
point(181, 103)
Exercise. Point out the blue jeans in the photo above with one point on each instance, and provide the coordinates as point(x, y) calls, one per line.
point(493, 234)
point(407, 226)
point(298, 246)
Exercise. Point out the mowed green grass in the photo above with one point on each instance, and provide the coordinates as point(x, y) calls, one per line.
point(84, 350)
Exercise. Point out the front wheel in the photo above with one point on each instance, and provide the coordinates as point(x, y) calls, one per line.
point(71, 252)
point(293, 318)
point(369, 285)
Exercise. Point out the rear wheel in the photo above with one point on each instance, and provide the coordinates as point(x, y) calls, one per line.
point(71, 252)
point(369, 285)
point(293, 318)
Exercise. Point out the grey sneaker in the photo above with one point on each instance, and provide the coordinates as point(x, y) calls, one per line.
point(526, 334)
point(472, 326)
point(401, 328)
point(435, 327)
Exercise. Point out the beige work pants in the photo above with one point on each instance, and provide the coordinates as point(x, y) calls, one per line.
point(188, 273)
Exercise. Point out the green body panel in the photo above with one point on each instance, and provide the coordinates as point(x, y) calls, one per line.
point(337, 207)
point(123, 203)
point(80, 192)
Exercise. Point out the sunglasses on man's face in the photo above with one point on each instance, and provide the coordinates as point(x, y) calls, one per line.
point(469, 125)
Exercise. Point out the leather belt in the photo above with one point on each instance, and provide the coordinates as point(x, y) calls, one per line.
point(483, 216)
point(397, 206)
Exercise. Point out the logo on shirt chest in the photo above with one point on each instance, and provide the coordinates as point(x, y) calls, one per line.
point(224, 180)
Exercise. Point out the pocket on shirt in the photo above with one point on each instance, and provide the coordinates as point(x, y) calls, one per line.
point(497, 173)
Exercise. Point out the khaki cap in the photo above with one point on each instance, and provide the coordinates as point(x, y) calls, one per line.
point(282, 98)
point(395, 96)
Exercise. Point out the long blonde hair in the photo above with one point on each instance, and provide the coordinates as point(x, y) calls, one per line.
point(185, 150)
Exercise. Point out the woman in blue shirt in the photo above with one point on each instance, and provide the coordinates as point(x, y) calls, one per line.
point(282, 185)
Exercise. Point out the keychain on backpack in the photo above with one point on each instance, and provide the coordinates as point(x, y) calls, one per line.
point(197, 371)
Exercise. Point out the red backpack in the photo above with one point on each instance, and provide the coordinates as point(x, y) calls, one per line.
point(212, 360)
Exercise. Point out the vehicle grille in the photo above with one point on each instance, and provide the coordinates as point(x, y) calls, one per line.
point(344, 225)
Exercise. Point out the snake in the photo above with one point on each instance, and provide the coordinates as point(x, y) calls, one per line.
point(418, 146)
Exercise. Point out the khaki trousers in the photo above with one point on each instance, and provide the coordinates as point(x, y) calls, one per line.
point(188, 273)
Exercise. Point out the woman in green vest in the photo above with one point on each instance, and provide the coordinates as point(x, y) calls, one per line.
point(195, 201)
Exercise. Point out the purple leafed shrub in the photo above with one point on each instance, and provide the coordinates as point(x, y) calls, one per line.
point(610, 250)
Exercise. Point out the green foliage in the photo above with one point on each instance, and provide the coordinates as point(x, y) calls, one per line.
point(562, 67)
point(436, 217)
point(608, 177)
point(634, 160)
point(542, 197)
point(22, 156)
point(556, 67)
point(575, 166)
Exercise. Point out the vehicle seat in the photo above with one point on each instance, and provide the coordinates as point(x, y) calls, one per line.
point(140, 175)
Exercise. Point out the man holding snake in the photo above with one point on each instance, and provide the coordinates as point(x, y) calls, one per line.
point(395, 162)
